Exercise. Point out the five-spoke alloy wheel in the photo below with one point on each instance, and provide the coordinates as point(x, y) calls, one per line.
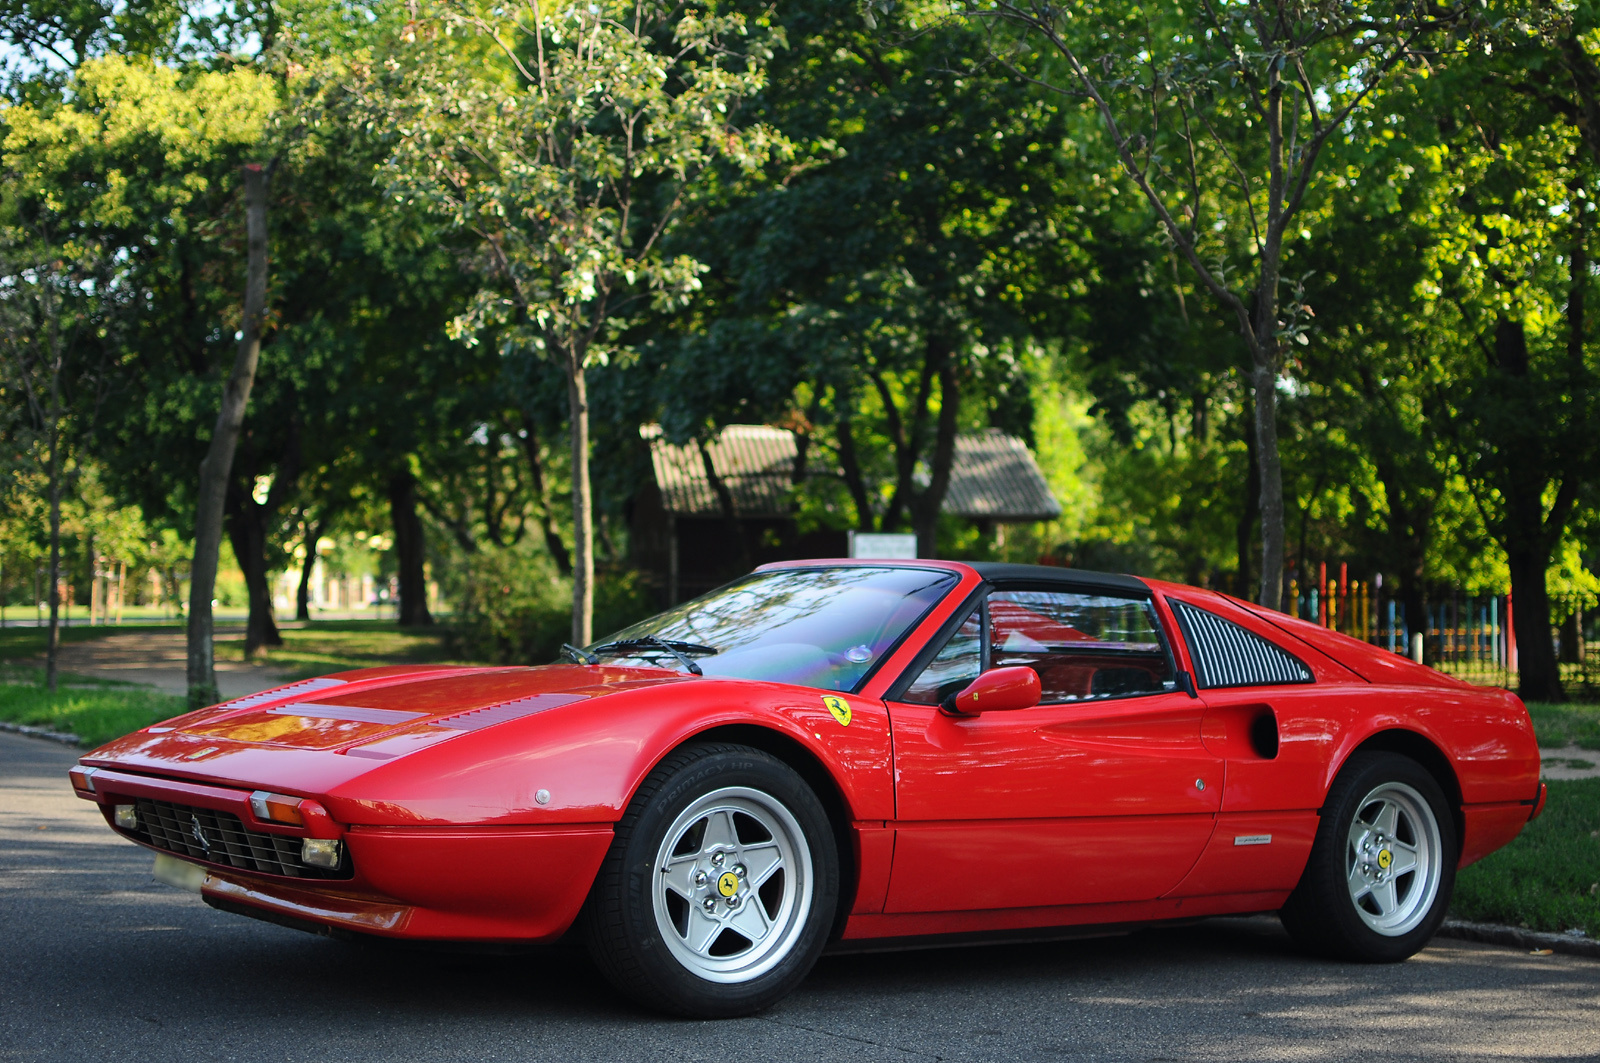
point(1393, 859)
point(1382, 866)
point(720, 887)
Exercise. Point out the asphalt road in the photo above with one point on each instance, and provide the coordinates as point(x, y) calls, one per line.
point(97, 962)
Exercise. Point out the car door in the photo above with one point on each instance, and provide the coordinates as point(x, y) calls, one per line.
point(1265, 715)
point(1103, 792)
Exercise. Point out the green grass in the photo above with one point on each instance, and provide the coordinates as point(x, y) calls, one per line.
point(340, 645)
point(96, 714)
point(1549, 878)
point(19, 643)
point(98, 710)
point(1574, 723)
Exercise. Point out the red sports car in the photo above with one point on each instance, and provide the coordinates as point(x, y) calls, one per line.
point(848, 754)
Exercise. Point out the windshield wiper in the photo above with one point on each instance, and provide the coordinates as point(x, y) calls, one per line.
point(579, 656)
point(676, 647)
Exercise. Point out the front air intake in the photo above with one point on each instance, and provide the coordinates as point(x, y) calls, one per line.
point(221, 839)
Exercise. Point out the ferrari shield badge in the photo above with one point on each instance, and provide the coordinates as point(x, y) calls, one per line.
point(840, 709)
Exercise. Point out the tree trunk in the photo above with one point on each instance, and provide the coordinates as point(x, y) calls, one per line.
point(926, 504)
point(907, 439)
point(217, 467)
point(302, 594)
point(850, 467)
point(730, 515)
point(552, 538)
point(1245, 525)
point(410, 550)
point(1266, 408)
point(1525, 531)
point(582, 503)
point(247, 531)
point(53, 639)
point(1539, 675)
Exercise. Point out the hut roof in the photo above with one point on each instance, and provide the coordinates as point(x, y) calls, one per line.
point(994, 476)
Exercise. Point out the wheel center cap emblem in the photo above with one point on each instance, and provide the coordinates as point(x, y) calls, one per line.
point(199, 835)
point(728, 884)
point(1385, 858)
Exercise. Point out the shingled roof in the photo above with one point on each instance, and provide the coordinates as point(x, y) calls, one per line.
point(994, 476)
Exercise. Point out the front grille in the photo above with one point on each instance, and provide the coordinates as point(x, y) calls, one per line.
point(221, 838)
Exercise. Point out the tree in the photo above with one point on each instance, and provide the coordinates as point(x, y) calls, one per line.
point(890, 275)
point(131, 147)
point(217, 467)
point(50, 359)
point(1218, 114)
point(568, 159)
point(1511, 270)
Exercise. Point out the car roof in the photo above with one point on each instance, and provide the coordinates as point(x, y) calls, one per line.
point(999, 572)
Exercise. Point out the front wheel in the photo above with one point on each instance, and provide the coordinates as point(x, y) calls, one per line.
point(720, 887)
point(1382, 867)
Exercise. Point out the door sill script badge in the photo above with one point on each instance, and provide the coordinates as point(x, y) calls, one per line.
point(1252, 839)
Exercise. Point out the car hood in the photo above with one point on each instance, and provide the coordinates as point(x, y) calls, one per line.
point(342, 724)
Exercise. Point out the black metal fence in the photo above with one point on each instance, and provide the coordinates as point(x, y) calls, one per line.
point(1466, 635)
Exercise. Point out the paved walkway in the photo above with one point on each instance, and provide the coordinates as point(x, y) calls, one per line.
point(99, 962)
point(157, 659)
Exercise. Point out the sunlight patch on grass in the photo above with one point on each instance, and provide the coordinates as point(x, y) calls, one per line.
point(342, 645)
point(96, 714)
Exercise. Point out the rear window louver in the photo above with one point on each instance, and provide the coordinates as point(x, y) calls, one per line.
point(1226, 655)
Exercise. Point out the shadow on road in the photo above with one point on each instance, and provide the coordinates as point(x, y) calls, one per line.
point(100, 961)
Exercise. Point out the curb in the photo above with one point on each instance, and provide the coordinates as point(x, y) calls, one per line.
point(1531, 940)
point(42, 732)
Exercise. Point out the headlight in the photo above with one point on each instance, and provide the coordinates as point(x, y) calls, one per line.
point(127, 817)
point(320, 852)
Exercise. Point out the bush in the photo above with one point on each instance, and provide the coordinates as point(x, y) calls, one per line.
point(514, 608)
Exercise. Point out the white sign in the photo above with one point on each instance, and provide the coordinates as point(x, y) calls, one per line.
point(889, 547)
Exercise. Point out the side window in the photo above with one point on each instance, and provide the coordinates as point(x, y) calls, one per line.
point(955, 666)
point(1226, 655)
point(1082, 645)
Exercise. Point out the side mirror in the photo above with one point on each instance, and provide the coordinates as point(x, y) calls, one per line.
point(997, 690)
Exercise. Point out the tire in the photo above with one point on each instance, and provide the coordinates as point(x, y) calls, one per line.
point(1382, 867)
point(719, 890)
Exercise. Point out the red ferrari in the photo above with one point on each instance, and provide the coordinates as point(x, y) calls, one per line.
point(846, 755)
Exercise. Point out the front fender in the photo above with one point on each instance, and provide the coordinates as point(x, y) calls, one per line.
point(581, 763)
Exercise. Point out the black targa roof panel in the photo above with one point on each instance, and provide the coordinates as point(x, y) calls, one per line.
point(999, 572)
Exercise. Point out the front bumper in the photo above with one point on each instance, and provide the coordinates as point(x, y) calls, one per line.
point(443, 883)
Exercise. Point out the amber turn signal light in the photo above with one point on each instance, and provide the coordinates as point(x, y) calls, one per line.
point(82, 778)
point(277, 808)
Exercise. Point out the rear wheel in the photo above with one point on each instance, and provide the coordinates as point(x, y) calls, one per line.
point(1382, 867)
point(720, 887)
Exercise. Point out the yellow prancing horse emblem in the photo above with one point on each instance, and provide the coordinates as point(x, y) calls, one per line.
point(1385, 858)
point(728, 884)
point(840, 709)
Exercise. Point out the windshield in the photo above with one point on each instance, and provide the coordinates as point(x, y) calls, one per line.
point(814, 627)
